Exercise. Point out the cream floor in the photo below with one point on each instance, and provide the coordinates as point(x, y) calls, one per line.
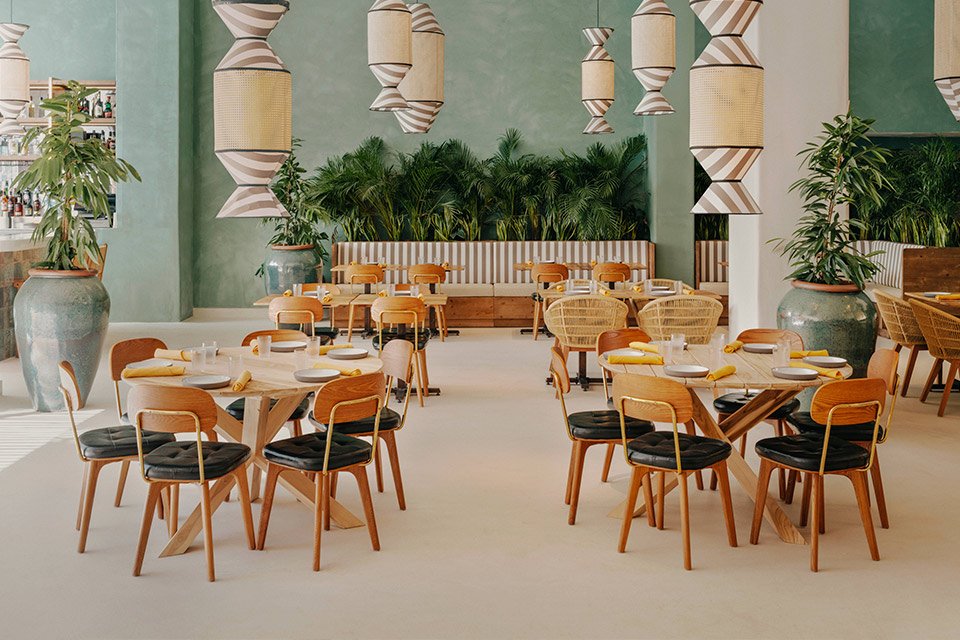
point(483, 549)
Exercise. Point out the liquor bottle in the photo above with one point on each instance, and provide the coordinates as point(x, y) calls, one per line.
point(27, 204)
point(36, 204)
point(108, 109)
point(17, 205)
point(98, 108)
point(4, 203)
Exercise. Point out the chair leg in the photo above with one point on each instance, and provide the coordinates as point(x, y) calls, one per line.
point(334, 481)
point(760, 500)
point(727, 503)
point(822, 520)
point(914, 350)
point(361, 475)
point(570, 472)
point(349, 337)
point(245, 511)
point(660, 496)
point(685, 520)
point(606, 462)
point(635, 478)
point(859, 479)
point(124, 467)
point(934, 370)
point(948, 386)
point(378, 465)
point(424, 374)
point(83, 492)
point(420, 390)
point(581, 449)
point(648, 499)
point(326, 504)
point(878, 490)
point(297, 429)
point(207, 529)
point(319, 495)
point(781, 472)
point(173, 518)
point(92, 475)
point(273, 472)
point(792, 478)
point(692, 430)
point(536, 318)
point(805, 502)
point(153, 492)
point(390, 440)
point(817, 480)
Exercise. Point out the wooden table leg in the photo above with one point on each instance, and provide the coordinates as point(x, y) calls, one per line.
point(192, 526)
point(255, 414)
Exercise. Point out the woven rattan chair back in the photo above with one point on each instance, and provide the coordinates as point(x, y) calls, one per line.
point(696, 317)
point(941, 331)
point(578, 320)
point(900, 320)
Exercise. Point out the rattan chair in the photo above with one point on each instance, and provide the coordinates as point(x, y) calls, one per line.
point(901, 323)
point(666, 282)
point(542, 274)
point(942, 333)
point(696, 317)
point(577, 322)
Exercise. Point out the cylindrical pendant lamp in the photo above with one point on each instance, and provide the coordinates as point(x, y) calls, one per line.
point(726, 106)
point(14, 78)
point(422, 86)
point(654, 31)
point(597, 73)
point(252, 108)
point(946, 52)
point(389, 50)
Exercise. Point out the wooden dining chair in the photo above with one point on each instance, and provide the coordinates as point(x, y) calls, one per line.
point(696, 317)
point(98, 448)
point(667, 282)
point(901, 323)
point(236, 409)
point(585, 429)
point(305, 311)
point(277, 335)
point(577, 321)
point(942, 333)
point(431, 275)
point(542, 274)
point(326, 452)
point(364, 274)
point(318, 329)
point(660, 400)
point(397, 358)
point(171, 410)
point(411, 314)
point(611, 272)
point(835, 404)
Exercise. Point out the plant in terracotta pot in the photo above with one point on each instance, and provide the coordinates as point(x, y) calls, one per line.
point(296, 252)
point(827, 305)
point(61, 312)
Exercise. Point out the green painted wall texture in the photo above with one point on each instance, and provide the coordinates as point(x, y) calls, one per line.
point(68, 39)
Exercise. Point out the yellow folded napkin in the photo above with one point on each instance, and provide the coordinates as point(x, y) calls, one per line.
point(688, 293)
point(173, 354)
point(560, 288)
point(804, 354)
point(529, 263)
point(324, 350)
point(604, 292)
point(722, 372)
point(381, 294)
point(617, 359)
point(733, 346)
point(420, 297)
point(381, 264)
point(445, 265)
point(288, 293)
point(593, 263)
point(643, 346)
point(327, 299)
point(638, 288)
point(829, 373)
point(151, 372)
point(242, 381)
point(347, 371)
point(949, 296)
point(353, 262)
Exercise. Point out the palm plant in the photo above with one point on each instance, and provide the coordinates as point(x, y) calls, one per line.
point(422, 194)
point(521, 186)
point(469, 185)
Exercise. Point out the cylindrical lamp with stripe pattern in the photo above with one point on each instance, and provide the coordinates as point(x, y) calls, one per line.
point(252, 108)
point(726, 106)
point(946, 52)
point(597, 73)
point(389, 51)
point(654, 31)
point(14, 78)
point(422, 86)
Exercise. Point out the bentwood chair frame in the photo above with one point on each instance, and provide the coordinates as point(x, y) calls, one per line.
point(696, 317)
point(901, 323)
point(412, 311)
point(435, 275)
point(577, 321)
point(365, 274)
point(837, 403)
point(302, 310)
point(343, 400)
point(332, 290)
point(182, 410)
point(611, 272)
point(544, 274)
point(942, 333)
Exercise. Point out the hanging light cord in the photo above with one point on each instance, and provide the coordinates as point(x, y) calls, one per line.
point(598, 12)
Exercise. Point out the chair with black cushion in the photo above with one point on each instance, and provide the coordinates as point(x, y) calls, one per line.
point(667, 401)
point(543, 274)
point(331, 289)
point(404, 318)
point(835, 404)
point(172, 410)
point(298, 312)
point(397, 358)
point(324, 453)
point(883, 366)
point(585, 429)
point(98, 448)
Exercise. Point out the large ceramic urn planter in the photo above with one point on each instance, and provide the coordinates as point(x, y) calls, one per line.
point(286, 266)
point(59, 315)
point(839, 318)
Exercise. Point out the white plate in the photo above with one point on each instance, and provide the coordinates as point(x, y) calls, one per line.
point(826, 361)
point(759, 347)
point(794, 373)
point(348, 354)
point(316, 375)
point(661, 287)
point(626, 352)
point(661, 294)
point(934, 294)
point(548, 262)
point(685, 370)
point(152, 362)
point(285, 346)
point(664, 343)
point(207, 381)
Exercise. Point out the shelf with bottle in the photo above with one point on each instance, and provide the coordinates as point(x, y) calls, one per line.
point(100, 106)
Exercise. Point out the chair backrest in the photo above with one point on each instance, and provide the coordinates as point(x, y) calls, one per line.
point(69, 388)
point(611, 272)
point(276, 334)
point(899, 319)
point(667, 282)
point(126, 351)
point(577, 321)
point(940, 330)
point(620, 339)
point(398, 310)
point(651, 398)
point(541, 273)
point(349, 399)
point(696, 317)
point(837, 396)
point(364, 274)
point(172, 409)
point(883, 366)
point(295, 310)
point(426, 274)
point(330, 288)
point(397, 356)
point(558, 367)
point(771, 336)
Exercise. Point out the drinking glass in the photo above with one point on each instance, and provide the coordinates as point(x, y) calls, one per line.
point(593, 287)
point(678, 287)
point(677, 339)
point(211, 350)
point(782, 356)
point(263, 346)
point(235, 366)
point(666, 349)
point(648, 286)
point(298, 289)
point(198, 360)
point(313, 346)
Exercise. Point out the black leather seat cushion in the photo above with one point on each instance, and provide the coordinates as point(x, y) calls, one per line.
point(305, 453)
point(733, 402)
point(389, 420)
point(605, 425)
point(178, 460)
point(423, 337)
point(324, 331)
point(119, 442)
point(803, 451)
point(235, 409)
point(657, 449)
point(862, 432)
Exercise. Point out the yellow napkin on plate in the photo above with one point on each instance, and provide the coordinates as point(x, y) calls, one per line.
point(381, 294)
point(949, 296)
point(804, 354)
point(829, 373)
point(347, 371)
point(173, 354)
point(330, 347)
point(643, 346)
point(151, 372)
point(242, 381)
point(327, 299)
point(288, 293)
point(722, 372)
point(733, 346)
point(618, 359)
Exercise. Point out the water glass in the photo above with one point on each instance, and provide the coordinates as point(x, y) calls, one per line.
point(593, 287)
point(211, 350)
point(666, 350)
point(313, 346)
point(782, 355)
point(235, 366)
point(678, 287)
point(677, 339)
point(198, 360)
point(648, 286)
point(263, 346)
point(298, 289)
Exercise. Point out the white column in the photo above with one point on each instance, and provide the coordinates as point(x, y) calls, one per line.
point(803, 47)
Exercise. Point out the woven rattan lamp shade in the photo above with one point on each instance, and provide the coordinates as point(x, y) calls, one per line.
point(597, 73)
point(422, 86)
point(389, 50)
point(14, 78)
point(252, 110)
point(726, 107)
point(653, 32)
point(946, 52)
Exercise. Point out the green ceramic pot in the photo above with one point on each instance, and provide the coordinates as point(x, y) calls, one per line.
point(59, 315)
point(286, 266)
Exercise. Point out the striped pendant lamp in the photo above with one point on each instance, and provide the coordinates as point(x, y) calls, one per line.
point(252, 108)
point(946, 52)
point(389, 51)
point(422, 86)
point(597, 74)
point(726, 106)
point(654, 30)
point(14, 78)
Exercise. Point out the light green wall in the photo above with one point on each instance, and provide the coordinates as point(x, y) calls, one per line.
point(68, 39)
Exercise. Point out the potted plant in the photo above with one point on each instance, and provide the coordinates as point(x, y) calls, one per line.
point(295, 252)
point(827, 305)
point(62, 311)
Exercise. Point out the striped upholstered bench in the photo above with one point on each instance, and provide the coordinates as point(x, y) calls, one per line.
point(890, 277)
point(709, 274)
